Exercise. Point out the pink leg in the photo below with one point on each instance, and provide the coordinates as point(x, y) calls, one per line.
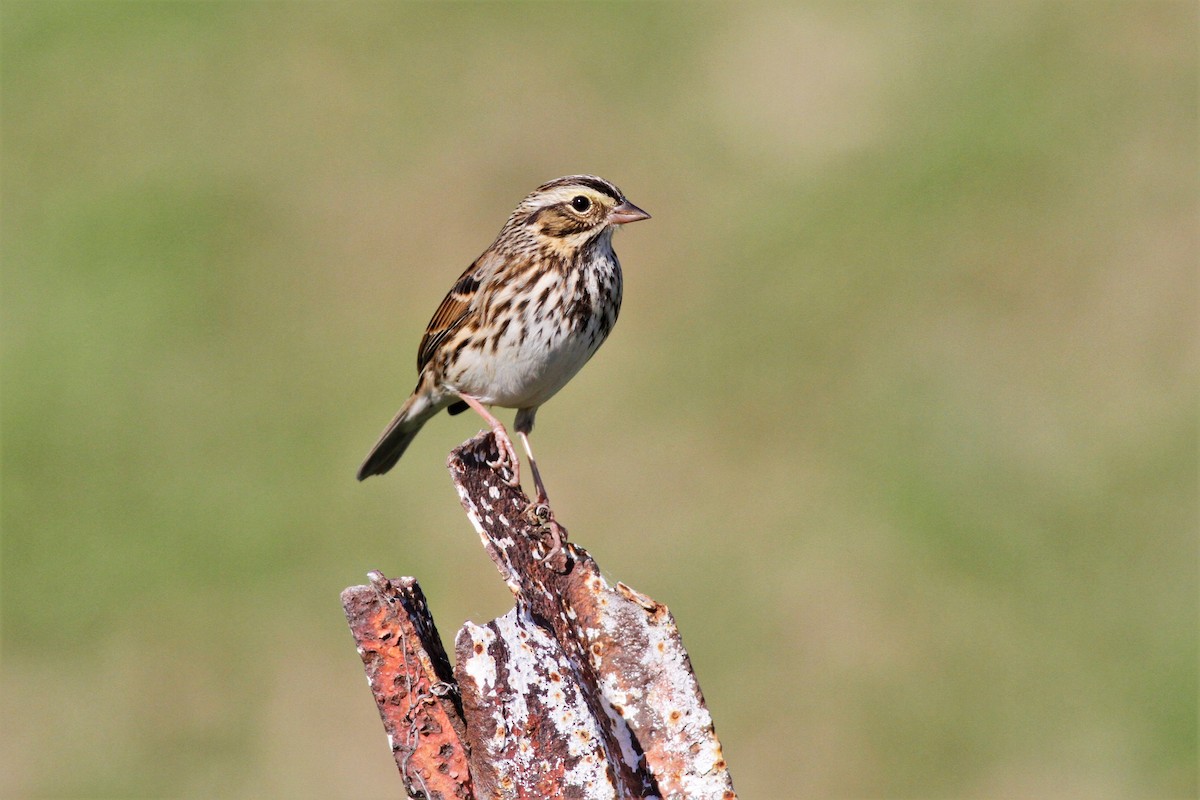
point(556, 531)
point(537, 476)
point(502, 441)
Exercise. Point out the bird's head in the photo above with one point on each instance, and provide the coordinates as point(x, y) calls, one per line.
point(566, 214)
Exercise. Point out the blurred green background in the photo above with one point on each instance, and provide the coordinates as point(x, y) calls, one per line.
point(900, 418)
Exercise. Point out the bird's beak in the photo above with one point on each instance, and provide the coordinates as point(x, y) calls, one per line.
point(626, 212)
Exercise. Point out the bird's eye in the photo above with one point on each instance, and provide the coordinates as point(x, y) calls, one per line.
point(580, 203)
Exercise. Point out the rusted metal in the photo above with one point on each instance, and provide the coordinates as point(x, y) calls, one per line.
point(413, 685)
point(529, 726)
point(583, 690)
point(627, 673)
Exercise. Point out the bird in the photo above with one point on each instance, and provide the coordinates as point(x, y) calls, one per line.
point(521, 320)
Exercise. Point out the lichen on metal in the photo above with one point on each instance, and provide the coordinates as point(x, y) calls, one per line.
point(528, 715)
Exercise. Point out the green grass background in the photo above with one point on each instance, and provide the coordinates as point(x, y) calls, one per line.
point(900, 418)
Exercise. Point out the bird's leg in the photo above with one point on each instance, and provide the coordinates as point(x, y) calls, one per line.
point(505, 445)
point(537, 476)
point(557, 532)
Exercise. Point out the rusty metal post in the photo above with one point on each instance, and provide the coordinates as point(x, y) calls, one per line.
point(411, 679)
point(582, 690)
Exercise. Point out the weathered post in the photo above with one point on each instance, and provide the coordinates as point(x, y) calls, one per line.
point(582, 690)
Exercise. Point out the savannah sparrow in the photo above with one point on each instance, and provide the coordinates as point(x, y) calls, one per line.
point(522, 319)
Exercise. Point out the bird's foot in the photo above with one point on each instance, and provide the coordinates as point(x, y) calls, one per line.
point(507, 465)
point(541, 514)
point(508, 461)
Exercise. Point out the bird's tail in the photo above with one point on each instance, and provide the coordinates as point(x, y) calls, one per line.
point(400, 432)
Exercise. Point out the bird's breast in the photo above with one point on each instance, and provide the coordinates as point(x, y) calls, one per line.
point(541, 335)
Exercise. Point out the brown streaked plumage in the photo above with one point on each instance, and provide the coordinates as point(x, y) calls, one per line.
point(522, 319)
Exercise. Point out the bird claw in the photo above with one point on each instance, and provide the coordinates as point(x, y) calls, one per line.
point(541, 514)
point(507, 464)
point(504, 468)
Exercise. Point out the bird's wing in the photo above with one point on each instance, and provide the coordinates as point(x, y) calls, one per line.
point(455, 308)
